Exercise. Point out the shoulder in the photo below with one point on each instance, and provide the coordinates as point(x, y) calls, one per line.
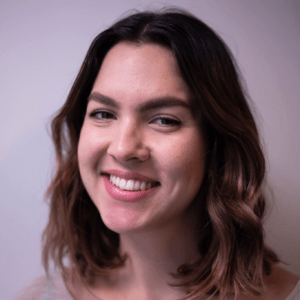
point(281, 284)
point(295, 294)
point(33, 291)
point(45, 287)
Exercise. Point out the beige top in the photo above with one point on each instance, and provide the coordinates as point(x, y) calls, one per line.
point(44, 288)
point(54, 289)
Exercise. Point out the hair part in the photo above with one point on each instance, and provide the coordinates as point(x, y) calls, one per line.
point(233, 257)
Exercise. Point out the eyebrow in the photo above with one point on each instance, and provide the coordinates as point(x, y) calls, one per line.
point(103, 99)
point(143, 107)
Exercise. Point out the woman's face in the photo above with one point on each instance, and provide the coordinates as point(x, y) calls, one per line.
point(141, 154)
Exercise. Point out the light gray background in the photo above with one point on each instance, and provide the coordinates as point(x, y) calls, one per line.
point(43, 44)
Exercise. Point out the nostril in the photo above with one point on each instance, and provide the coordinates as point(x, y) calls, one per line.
point(129, 154)
point(144, 156)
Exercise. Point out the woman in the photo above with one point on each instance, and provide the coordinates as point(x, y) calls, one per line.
point(158, 189)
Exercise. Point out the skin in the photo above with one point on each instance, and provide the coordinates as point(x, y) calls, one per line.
point(128, 139)
point(163, 143)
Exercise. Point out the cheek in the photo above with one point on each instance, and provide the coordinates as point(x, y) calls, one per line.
point(90, 148)
point(183, 157)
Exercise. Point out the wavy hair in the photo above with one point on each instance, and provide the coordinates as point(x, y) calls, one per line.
point(233, 257)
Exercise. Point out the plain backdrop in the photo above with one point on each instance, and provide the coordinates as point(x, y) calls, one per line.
point(43, 44)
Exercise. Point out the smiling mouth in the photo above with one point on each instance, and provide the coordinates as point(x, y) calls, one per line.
point(131, 184)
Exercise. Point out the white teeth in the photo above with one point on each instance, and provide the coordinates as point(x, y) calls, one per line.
point(143, 186)
point(122, 184)
point(112, 178)
point(137, 186)
point(130, 185)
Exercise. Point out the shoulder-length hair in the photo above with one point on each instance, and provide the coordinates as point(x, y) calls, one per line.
point(232, 255)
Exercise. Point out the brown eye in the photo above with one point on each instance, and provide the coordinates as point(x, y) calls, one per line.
point(166, 122)
point(102, 115)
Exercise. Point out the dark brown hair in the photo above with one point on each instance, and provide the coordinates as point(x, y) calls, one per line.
point(232, 255)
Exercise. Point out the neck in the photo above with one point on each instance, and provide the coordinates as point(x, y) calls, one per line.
point(155, 254)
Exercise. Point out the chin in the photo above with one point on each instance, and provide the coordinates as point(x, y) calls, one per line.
point(122, 222)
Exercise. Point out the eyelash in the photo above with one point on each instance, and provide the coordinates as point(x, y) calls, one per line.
point(167, 121)
point(94, 114)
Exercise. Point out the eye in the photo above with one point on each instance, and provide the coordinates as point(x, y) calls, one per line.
point(102, 115)
point(166, 121)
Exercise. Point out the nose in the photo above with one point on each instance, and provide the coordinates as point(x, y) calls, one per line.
point(128, 144)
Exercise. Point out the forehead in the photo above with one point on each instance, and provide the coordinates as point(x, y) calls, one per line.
point(148, 69)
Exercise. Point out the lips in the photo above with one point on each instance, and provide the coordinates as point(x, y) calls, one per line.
point(131, 187)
